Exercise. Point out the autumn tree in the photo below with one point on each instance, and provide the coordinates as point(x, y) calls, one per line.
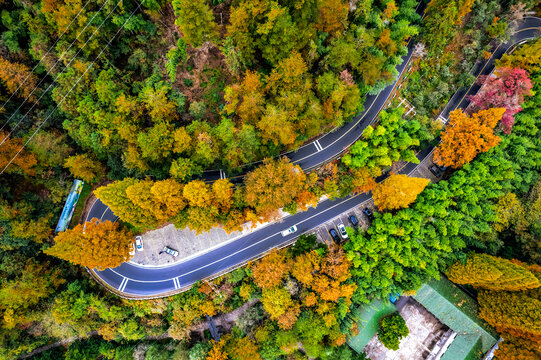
point(94, 245)
point(332, 16)
point(271, 269)
point(17, 79)
point(242, 348)
point(196, 22)
point(246, 99)
point(506, 90)
point(398, 191)
point(217, 352)
point(492, 273)
point(222, 191)
point(364, 179)
point(84, 168)
point(273, 185)
point(527, 57)
point(23, 163)
point(466, 136)
point(115, 195)
point(276, 301)
point(516, 313)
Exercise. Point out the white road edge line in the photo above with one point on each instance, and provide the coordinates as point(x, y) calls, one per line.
point(239, 251)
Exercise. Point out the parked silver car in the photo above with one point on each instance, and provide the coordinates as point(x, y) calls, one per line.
point(170, 251)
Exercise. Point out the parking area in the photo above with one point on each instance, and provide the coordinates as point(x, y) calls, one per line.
point(185, 241)
point(322, 231)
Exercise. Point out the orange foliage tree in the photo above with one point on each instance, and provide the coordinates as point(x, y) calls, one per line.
point(398, 191)
point(246, 99)
point(273, 185)
point(13, 77)
point(23, 163)
point(95, 245)
point(271, 269)
point(465, 136)
point(332, 16)
point(363, 179)
point(242, 349)
point(217, 351)
point(517, 312)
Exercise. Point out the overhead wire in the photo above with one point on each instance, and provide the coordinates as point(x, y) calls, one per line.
point(71, 89)
point(49, 71)
point(43, 57)
point(73, 58)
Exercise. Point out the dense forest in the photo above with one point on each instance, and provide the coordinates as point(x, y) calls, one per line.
point(139, 99)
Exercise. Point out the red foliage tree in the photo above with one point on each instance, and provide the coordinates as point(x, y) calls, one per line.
point(507, 90)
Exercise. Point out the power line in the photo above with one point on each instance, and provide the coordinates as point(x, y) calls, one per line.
point(43, 57)
point(44, 92)
point(71, 89)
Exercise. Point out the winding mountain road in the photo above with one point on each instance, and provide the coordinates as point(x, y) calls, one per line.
point(132, 281)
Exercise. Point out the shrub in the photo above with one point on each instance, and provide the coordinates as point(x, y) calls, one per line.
point(392, 328)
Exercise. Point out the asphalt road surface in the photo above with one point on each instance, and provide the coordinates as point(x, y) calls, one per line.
point(130, 280)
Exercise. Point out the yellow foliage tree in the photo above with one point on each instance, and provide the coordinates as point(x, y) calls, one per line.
point(492, 273)
point(398, 191)
point(197, 193)
point(222, 194)
point(84, 168)
point(94, 245)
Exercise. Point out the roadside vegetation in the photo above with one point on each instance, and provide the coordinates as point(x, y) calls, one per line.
point(190, 86)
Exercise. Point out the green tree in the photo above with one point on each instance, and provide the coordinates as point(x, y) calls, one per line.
point(392, 328)
point(196, 22)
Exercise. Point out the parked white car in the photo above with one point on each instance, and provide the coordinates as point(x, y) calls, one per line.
point(170, 251)
point(289, 231)
point(342, 231)
point(139, 243)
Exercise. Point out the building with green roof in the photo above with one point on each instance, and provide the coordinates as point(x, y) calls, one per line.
point(450, 306)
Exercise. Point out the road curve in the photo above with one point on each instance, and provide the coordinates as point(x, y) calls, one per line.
point(131, 281)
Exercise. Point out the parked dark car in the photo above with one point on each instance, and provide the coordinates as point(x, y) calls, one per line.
point(334, 235)
point(369, 213)
point(437, 170)
point(434, 169)
point(353, 220)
